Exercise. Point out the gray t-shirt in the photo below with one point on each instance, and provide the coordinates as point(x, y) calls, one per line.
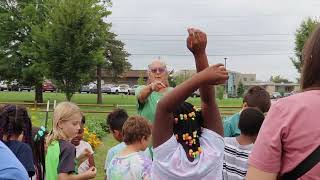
point(235, 164)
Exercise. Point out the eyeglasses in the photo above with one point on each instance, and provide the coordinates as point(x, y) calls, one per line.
point(158, 69)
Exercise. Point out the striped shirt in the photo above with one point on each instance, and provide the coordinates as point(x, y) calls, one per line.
point(235, 163)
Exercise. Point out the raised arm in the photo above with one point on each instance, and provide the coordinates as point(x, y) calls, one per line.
point(147, 90)
point(196, 43)
point(163, 125)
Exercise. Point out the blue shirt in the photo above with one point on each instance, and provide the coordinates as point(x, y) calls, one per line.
point(112, 152)
point(24, 154)
point(230, 126)
point(10, 166)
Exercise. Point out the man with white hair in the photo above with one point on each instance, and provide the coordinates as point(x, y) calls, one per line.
point(157, 85)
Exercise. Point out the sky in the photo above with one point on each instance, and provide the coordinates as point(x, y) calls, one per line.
point(256, 36)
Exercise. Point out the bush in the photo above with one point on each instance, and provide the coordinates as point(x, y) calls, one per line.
point(97, 126)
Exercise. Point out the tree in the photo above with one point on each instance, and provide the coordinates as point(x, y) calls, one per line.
point(182, 76)
point(240, 89)
point(279, 79)
point(302, 34)
point(116, 57)
point(73, 41)
point(171, 79)
point(141, 80)
point(116, 62)
point(17, 60)
point(220, 91)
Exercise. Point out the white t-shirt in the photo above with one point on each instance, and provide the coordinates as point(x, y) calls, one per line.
point(171, 162)
point(79, 150)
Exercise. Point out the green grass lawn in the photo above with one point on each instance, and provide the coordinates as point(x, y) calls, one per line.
point(38, 118)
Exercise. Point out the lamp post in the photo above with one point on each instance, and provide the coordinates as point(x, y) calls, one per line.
point(226, 86)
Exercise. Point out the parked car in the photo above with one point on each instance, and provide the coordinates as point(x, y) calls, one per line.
point(24, 88)
point(275, 95)
point(133, 89)
point(3, 86)
point(196, 93)
point(93, 90)
point(287, 94)
point(106, 89)
point(122, 88)
point(84, 89)
point(48, 86)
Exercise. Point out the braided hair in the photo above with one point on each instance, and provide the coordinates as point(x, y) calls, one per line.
point(38, 149)
point(187, 128)
point(13, 121)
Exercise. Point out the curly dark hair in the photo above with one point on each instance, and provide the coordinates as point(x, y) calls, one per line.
point(187, 127)
point(14, 120)
point(135, 129)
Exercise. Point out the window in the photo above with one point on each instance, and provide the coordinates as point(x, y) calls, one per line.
point(244, 79)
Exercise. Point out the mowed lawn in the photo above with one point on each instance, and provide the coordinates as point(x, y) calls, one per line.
point(123, 101)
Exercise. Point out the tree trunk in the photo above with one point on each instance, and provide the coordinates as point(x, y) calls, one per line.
point(99, 94)
point(69, 95)
point(38, 93)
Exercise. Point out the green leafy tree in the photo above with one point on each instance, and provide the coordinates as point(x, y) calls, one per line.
point(182, 76)
point(302, 34)
point(116, 57)
point(115, 62)
point(171, 79)
point(220, 92)
point(240, 89)
point(141, 80)
point(73, 41)
point(18, 61)
point(279, 79)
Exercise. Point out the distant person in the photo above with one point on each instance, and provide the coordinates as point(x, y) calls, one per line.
point(115, 121)
point(132, 162)
point(10, 166)
point(61, 161)
point(81, 146)
point(237, 149)
point(291, 130)
point(188, 142)
point(149, 95)
point(12, 118)
point(256, 96)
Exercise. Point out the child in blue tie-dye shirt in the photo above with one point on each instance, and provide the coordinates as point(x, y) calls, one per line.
point(131, 163)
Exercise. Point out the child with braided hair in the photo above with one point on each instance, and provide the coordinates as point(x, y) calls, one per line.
point(188, 142)
point(13, 120)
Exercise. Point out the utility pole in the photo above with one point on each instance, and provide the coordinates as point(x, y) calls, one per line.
point(226, 86)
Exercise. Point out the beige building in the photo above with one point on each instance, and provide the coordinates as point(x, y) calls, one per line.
point(235, 78)
point(272, 87)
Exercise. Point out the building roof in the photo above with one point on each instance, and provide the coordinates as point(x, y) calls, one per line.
point(128, 74)
point(270, 84)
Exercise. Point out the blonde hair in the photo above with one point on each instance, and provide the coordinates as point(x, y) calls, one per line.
point(65, 111)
